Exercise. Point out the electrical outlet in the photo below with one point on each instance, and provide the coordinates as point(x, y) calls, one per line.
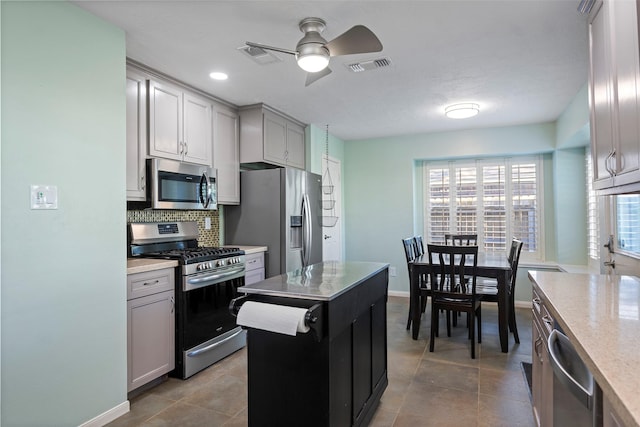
point(207, 223)
point(392, 271)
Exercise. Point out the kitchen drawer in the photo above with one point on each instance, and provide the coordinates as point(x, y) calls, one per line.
point(150, 282)
point(254, 261)
point(254, 276)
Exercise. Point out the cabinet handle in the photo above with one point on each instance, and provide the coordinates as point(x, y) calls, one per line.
point(536, 346)
point(186, 148)
point(155, 282)
point(608, 163)
point(142, 182)
point(173, 304)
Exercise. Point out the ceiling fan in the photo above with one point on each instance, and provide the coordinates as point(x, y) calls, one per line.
point(313, 51)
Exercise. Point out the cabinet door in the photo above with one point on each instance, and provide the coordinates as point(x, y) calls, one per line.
point(226, 155)
point(624, 34)
point(197, 129)
point(150, 338)
point(165, 121)
point(600, 92)
point(136, 135)
point(275, 138)
point(536, 371)
point(295, 146)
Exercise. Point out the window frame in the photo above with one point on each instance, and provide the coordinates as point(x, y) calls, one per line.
point(507, 162)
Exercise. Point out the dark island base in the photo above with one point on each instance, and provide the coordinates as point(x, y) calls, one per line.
point(335, 381)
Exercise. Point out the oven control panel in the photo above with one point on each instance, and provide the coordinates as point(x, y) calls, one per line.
point(219, 263)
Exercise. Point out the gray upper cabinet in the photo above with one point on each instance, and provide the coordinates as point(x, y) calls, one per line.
point(269, 137)
point(180, 124)
point(136, 135)
point(226, 154)
point(614, 96)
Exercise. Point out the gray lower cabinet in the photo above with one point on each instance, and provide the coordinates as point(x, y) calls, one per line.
point(150, 326)
point(254, 268)
point(541, 371)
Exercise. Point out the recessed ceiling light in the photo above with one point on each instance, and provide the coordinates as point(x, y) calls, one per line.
point(216, 75)
point(462, 111)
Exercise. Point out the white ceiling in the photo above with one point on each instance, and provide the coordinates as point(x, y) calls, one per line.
point(522, 61)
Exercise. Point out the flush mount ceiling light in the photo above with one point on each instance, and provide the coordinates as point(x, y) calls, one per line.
point(216, 75)
point(462, 111)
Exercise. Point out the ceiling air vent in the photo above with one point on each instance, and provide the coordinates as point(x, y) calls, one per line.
point(359, 67)
point(259, 55)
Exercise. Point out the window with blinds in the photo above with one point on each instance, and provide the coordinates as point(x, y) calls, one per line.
point(628, 223)
point(496, 199)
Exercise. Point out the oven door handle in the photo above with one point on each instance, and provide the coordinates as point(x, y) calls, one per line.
point(212, 346)
point(211, 277)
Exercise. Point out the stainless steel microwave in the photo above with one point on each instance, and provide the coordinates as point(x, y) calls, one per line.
point(178, 185)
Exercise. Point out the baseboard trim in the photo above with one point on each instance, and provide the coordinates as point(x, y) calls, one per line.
point(106, 417)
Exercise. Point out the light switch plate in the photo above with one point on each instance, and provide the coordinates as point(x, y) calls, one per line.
point(44, 197)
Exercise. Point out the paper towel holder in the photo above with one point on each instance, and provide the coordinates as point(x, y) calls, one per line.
point(312, 318)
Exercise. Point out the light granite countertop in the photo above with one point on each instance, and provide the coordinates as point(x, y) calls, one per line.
point(248, 249)
point(601, 316)
point(141, 265)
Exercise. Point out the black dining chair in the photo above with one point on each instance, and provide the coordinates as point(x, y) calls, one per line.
point(454, 291)
point(411, 252)
point(488, 288)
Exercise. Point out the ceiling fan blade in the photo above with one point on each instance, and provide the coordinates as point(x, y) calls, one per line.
point(358, 39)
point(313, 77)
point(277, 49)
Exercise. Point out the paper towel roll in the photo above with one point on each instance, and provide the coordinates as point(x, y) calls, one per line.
point(271, 317)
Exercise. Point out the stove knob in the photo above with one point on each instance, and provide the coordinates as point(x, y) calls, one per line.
point(199, 267)
point(210, 265)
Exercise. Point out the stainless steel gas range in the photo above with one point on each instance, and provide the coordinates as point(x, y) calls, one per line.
point(206, 281)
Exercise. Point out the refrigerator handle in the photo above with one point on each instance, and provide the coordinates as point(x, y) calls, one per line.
point(306, 230)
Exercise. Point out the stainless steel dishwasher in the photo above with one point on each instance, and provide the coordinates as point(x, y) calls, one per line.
point(577, 399)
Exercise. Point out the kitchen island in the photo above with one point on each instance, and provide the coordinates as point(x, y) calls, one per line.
point(601, 316)
point(334, 374)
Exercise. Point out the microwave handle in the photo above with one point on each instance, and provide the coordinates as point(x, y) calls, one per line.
point(204, 182)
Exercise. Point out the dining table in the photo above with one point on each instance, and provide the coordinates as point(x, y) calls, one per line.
point(493, 265)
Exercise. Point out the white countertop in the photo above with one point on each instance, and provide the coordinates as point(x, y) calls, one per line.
point(601, 316)
point(248, 249)
point(141, 265)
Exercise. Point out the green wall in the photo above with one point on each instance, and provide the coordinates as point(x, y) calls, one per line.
point(383, 187)
point(63, 271)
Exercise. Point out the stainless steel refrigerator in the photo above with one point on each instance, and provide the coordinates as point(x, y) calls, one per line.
point(279, 208)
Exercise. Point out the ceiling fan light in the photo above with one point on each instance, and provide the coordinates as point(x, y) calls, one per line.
point(313, 63)
point(462, 111)
point(312, 57)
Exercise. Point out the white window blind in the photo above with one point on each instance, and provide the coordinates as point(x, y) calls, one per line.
point(628, 223)
point(593, 230)
point(496, 199)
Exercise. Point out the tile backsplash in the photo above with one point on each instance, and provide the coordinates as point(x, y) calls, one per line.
point(206, 237)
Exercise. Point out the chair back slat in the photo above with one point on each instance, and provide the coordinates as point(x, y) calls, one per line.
point(461, 239)
point(419, 245)
point(409, 250)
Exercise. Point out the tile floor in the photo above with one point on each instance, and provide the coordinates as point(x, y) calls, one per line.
point(443, 388)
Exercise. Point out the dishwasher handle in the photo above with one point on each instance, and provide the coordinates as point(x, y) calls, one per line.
point(569, 369)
